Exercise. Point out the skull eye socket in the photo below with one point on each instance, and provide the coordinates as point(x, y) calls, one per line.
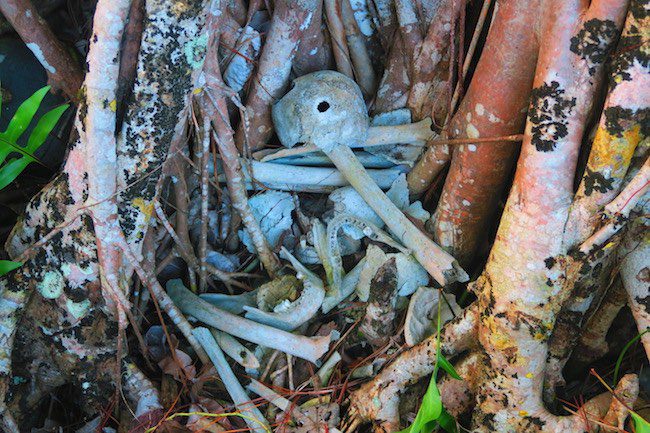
point(323, 106)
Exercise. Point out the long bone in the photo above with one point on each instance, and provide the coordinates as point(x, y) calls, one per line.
point(309, 348)
point(254, 418)
point(415, 134)
point(326, 109)
point(305, 179)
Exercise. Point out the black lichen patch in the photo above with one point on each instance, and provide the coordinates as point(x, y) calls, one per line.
point(548, 113)
point(152, 118)
point(619, 119)
point(531, 424)
point(631, 48)
point(596, 181)
point(644, 302)
point(484, 419)
point(550, 262)
point(594, 41)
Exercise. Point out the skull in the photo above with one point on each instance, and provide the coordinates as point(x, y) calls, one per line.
point(324, 108)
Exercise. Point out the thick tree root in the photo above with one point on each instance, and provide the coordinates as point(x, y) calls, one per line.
point(378, 400)
point(69, 334)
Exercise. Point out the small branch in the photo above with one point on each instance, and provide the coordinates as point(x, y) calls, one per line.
point(339, 42)
point(214, 108)
point(205, 201)
point(619, 209)
point(479, 140)
point(470, 51)
point(62, 71)
point(634, 274)
point(160, 297)
point(365, 75)
point(593, 344)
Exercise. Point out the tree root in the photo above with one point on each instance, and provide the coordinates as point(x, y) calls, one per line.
point(378, 400)
point(71, 328)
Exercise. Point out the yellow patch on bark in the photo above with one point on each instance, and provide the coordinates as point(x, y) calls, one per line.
point(146, 207)
point(614, 153)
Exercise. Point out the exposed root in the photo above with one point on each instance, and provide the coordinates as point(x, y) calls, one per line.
point(378, 400)
point(635, 274)
point(458, 396)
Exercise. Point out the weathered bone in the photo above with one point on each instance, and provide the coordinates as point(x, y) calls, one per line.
point(237, 351)
point(415, 134)
point(326, 109)
point(299, 311)
point(306, 179)
point(309, 348)
point(254, 418)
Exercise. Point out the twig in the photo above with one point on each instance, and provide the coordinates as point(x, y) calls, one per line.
point(205, 200)
point(337, 35)
point(470, 51)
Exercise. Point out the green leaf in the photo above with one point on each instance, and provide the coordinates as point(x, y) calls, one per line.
point(447, 422)
point(10, 171)
point(24, 115)
point(431, 402)
point(17, 126)
point(640, 424)
point(43, 128)
point(7, 266)
point(429, 411)
point(446, 365)
point(6, 147)
point(430, 426)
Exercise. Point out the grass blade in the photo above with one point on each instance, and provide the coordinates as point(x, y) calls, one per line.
point(619, 361)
